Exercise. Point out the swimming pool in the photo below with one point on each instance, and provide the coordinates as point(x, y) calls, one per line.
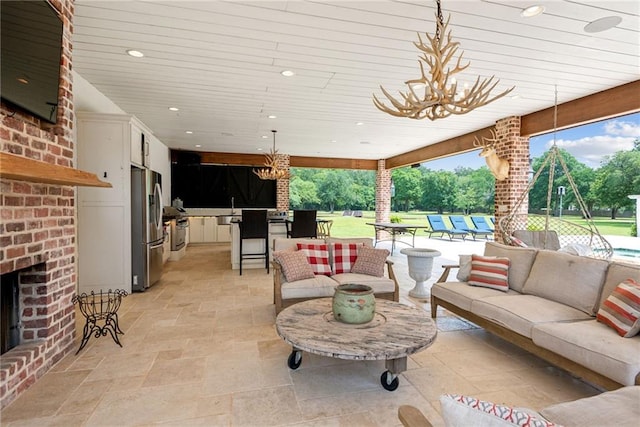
point(626, 253)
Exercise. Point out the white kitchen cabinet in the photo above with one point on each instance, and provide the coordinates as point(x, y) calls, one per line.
point(202, 229)
point(105, 145)
point(224, 233)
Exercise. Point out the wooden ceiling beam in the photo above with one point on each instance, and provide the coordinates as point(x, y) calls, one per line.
point(331, 163)
point(457, 145)
point(614, 102)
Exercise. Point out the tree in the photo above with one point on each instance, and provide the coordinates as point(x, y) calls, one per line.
point(302, 193)
point(408, 190)
point(333, 188)
point(583, 176)
point(617, 179)
point(439, 190)
point(476, 190)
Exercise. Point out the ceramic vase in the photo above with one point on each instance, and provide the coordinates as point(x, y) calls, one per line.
point(420, 262)
point(354, 304)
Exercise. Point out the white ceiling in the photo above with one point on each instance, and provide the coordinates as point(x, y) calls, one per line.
point(220, 63)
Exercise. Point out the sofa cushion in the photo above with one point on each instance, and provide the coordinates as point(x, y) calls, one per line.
point(521, 262)
point(461, 294)
point(621, 310)
point(460, 410)
point(594, 346)
point(521, 313)
point(567, 279)
point(616, 273)
point(489, 272)
point(370, 261)
point(618, 408)
point(294, 265)
point(378, 284)
point(319, 286)
point(344, 256)
point(318, 257)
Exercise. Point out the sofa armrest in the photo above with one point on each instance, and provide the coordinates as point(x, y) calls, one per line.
point(411, 416)
point(392, 276)
point(278, 276)
point(445, 273)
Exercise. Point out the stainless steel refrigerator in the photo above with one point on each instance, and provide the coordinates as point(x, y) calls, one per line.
point(147, 231)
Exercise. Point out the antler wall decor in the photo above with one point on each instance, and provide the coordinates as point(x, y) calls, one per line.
point(435, 95)
point(498, 166)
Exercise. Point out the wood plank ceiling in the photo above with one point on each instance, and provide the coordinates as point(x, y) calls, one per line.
point(220, 64)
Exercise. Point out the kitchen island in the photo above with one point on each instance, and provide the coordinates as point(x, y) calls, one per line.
point(277, 230)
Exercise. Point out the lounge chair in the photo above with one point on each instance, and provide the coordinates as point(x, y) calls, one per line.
point(458, 222)
point(481, 223)
point(437, 226)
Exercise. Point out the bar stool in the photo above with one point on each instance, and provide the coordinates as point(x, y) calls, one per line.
point(303, 224)
point(324, 228)
point(254, 225)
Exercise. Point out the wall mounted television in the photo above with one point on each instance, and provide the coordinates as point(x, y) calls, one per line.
point(31, 47)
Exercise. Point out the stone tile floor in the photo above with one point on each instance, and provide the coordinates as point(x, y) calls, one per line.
point(200, 348)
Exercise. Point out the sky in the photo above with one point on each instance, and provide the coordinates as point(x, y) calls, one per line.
point(589, 144)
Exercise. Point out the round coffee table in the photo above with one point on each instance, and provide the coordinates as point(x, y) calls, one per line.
point(396, 331)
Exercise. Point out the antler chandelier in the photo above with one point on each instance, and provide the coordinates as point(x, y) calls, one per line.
point(435, 95)
point(271, 169)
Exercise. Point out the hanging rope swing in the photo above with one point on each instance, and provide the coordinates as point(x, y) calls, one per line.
point(519, 228)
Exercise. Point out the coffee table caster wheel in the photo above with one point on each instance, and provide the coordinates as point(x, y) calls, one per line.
point(387, 382)
point(295, 359)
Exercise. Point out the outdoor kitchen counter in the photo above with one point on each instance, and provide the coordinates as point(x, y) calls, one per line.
point(277, 230)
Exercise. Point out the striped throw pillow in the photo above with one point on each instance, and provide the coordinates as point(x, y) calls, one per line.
point(318, 257)
point(621, 310)
point(489, 272)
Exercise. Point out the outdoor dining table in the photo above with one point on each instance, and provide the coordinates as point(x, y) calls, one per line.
point(396, 229)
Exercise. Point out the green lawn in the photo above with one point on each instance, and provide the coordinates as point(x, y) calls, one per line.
point(349, 226)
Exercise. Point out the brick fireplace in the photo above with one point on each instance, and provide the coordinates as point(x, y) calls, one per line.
point(38, 235)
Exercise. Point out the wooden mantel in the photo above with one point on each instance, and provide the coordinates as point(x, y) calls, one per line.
point(24, 169)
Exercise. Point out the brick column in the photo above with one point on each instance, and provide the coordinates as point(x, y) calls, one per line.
point(383, 192)
point(515, 149)
point(282, 185)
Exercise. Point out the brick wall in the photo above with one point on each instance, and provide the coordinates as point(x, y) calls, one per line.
point(38, 234)
point(282, 185)
point(515, 149)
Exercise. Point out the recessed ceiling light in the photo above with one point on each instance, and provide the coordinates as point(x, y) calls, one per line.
point(287, 73)
point(23, 80)
point(174, 109)
point(359, 123)
point(333, 141)
point(273, 117)
point(602, 24)
point(264, 137)
point(532, 11)
point(135, 53)
point(198, 145)
point(516, 97)
point(188, 132)
point(259, 149)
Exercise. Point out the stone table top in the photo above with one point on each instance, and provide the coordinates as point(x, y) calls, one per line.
point(396, 331)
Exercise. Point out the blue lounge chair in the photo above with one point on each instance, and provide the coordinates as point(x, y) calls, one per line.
point(481, 223)
point(458, 222)
point(437, 226)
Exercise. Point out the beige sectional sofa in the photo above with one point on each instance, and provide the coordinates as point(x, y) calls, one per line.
point(550, 310)
point(321, 286)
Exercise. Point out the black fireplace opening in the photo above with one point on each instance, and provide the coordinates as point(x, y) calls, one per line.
point(9, 311)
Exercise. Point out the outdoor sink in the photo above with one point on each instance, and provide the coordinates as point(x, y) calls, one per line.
point(226, 219)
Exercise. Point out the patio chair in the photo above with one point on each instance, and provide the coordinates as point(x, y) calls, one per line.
point(437, 226)
point(458, 222)
point(481, 223)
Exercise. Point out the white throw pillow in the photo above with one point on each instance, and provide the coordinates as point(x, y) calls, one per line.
point(465, 268)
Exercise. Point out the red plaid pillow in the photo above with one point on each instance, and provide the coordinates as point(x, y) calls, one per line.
point(318, 257)
point(344, 256)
